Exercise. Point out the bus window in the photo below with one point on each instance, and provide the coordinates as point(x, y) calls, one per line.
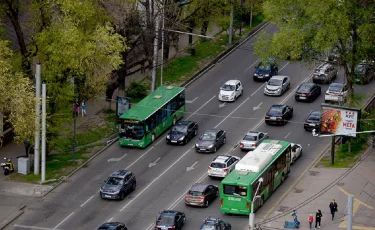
point(235, 190)
point(181, 100)
point(164, 113)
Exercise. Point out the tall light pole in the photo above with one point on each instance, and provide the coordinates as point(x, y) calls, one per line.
point(37, 120)
point(44, 115)
point(162, 46)
point(155, 59)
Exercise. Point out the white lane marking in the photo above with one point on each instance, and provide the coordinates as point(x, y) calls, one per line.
point(191, 167)
point(86, 201)
point(232, 112)
point(31, 227)
point(201, 107)
point(284, 66)
point(287, 135)
point(258, 89)
point(110, 219)
point(154, 163)
point(140, 157)
point(117, 159)
point(257, 107)
point(251, 65)
point(191, 100)
point(152, 182)
point(222, 105)
point(308, 144)
point(63, 220)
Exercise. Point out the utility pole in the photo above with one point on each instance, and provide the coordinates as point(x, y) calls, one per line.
point(74, 124)
point(350, 213)
point(44, 115)
point(231, 23)
point(241, 17)
point(37, 120)
point(155, 59)
point(251, 14)
point(162, 45)
point(333, 151)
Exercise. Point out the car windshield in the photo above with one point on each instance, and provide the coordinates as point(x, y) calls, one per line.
point(264, 66)
point(131, 129)
point(359, 69)
point(275, 82)
point(208, 227)
point(209, 136)
point(313, 118)
point(114, 181)
point(165, 220)
point(108, 227)
point(180, 128)
point(304, 89)
point(277, 110)
point(228, 87)
point(335, 88)
point(250, 138)
point(217, 165)
point(195, 193)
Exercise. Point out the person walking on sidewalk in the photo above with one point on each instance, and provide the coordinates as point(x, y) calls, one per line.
point(311, 220)
point(333, 208)
point(83, 106)
point(77, 108)
point(318, 218)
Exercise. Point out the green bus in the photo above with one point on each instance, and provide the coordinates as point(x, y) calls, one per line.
point(270, 161)
point(148, 119)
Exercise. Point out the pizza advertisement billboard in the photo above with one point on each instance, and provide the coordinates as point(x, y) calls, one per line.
point(340, 121)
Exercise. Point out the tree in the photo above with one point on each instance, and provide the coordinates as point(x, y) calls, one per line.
point(312, 29)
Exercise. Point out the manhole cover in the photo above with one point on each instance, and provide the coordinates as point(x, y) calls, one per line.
point(340, 184)
point(282, 208)
point(313, 173)
point(298, 190)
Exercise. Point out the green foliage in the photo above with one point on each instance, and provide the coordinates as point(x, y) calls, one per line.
point(136, 90)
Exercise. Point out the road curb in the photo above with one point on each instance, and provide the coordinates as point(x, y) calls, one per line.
point(12, 216)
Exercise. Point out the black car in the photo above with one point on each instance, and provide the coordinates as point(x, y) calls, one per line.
point(265, 70)
point(312, 121)
point(210, 140)
point(182, 132)
point(307, 92)
point(364, 73)
point(170, 220)
point(279, 114)
point(118, 185)
point(212, 223)
point(113, 226)
point(201, 194)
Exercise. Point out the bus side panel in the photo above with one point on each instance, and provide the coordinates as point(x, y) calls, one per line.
point(277, 180)
point(234, 205)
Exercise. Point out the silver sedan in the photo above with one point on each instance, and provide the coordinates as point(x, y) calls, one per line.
point(252, 139)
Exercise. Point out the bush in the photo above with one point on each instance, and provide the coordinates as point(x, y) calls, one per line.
point(136, 90)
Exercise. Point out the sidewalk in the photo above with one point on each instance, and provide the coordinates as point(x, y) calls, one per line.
point(359, 182)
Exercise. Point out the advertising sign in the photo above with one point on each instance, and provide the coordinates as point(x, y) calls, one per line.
point(122, 105)
point(341, 121)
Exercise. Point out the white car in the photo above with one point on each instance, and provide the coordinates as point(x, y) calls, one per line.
point(277, 85)
point(337, 92)
point(231, 90)
point(296, 152)
point(222, 165)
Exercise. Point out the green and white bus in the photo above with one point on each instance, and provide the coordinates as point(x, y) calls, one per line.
point(270, 161)
point(148, 119)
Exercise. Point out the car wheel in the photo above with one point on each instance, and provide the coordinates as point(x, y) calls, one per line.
point(300, 154)
point(134, 185)
point(215, 149)
point(183, 221)
point(185, 141)
point(325, 101)
point(195, 133)
point(224, 140)
point(241, 92)
point(206, 204)
point(122, 196)
point(217, 193)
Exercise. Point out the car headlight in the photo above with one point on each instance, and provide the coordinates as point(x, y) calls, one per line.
point(168, 137)
point(278, 90)
point(255, 74)
point(267, 75)
point(101, 189)
point(181, 138)
point(210, 146)
point(196, 145)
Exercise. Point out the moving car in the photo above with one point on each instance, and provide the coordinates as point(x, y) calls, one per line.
point(337, 92)
point(230, 91)
point(170, 220)
point(182, 132)
point(312, 121)
point(201, 194)
point(364, 73)
point(279, 114)
point(307, 92)
point(222, 165)
point(265, 70)
point(296, 152)
point(277, 85)
point(212, 223)
point(325, 73)
point(252, 139)
point(113, 226)
point(210, 141)
point(120, 183)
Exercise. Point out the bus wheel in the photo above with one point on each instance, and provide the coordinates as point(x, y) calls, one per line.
point(174, 120)
point(261, 201)
point(153, 137)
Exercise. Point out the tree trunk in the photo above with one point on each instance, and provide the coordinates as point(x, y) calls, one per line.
point(204, 28)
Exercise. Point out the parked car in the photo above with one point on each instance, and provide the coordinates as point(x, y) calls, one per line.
point(252, 139)
point(222, 165)
point(211, 140)
point(307, 92)
point(120, 183)
point(296, 152)
point(230, 91)
point(182, 132)
point(113, 226)
point(201, 194)
point(364, 73)
point(279, 114)
point(312, 121)
point(212, 223)
point(265, 70)
point(337, 92)
point(277, 85)
point(170, 220)
point(325, 73)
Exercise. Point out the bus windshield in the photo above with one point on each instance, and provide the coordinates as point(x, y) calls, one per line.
point(132, 130)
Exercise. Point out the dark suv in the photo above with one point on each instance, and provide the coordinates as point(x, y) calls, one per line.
point(364, 73)
point(118, 185)
point(201, 194)
point(265, 70)
point(211, 223)
point(170, 220)
point(113, 226)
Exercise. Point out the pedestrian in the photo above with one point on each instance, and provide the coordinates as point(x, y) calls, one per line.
point(318, 218)
point(83, 106)
point(27, 147)
point(333, 208)
point(311, 220)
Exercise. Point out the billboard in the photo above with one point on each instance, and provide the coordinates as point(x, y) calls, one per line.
point(340, 121)
point(122, 105)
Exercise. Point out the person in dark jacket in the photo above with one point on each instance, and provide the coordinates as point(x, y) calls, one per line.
point(333, 208)
point(318, 218)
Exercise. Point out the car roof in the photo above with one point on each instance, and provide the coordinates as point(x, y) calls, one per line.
point(279, 77)
point(336, 84)
point(110, 224)
point(324, 66)
point(212, 130)
point(211, 220)
point(120, 173)
point(169, 212)
point(198, 187)
point(314, 113)
point(221, 159)
point(232, 82)
point(183, 123)
point(279, 106)
point(307, 84)
point(252, 133)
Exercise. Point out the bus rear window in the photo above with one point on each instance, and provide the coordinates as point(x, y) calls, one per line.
point(235, 190)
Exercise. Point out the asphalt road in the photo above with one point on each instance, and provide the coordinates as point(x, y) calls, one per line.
point(76, 204)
